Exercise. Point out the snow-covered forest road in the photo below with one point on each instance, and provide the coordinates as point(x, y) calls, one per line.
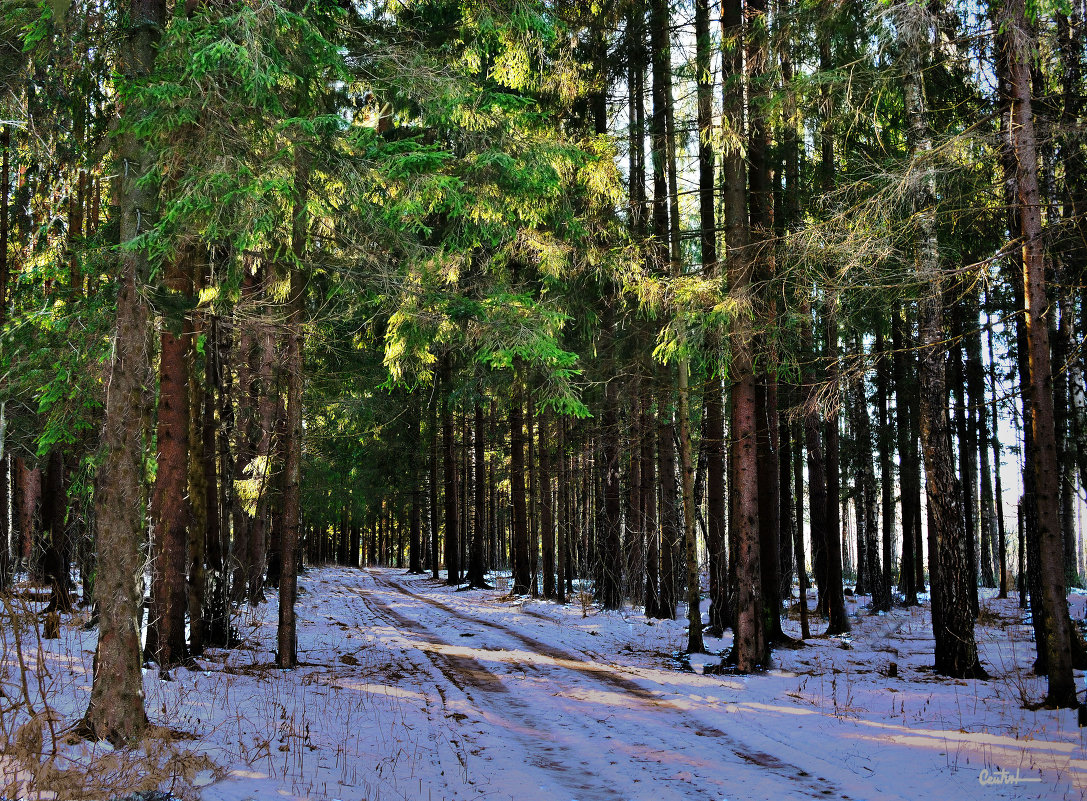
point(565, 722)
point(474, 694)
point(410, 689)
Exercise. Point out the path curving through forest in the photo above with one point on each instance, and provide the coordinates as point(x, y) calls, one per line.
point(580, 727)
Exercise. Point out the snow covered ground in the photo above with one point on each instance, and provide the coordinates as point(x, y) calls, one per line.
point(411, 690)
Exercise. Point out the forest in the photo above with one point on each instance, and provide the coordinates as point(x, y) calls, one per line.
point(765, 318)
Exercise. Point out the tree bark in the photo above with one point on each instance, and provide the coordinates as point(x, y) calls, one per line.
point(450, 470)
point(953, 623)
point(1053, 602)
point(170, 509)
point(750, 636)
point(115, 711)
point(669, 512)
point(522, 570)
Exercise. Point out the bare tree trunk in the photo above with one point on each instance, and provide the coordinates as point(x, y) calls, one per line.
point(197, 480)
point(862, 429)
point(886, 479)
point(1002, 540)
point(267, 395)
point(115, 711)
point(547, 507)
point(286, 632)
point(750, 636)
point(835, 595)
point(801, 567)
point(669, 520)
point(241, 356)
point(976, 380)
point(435, 559)
point(5, 275)
point(170, 509)
point(476, 577)
point(953, 623)
point(415, 538)
point(713, 426)
point(1054, 604)
point(452, 507)
point(522, 570)
point(215, 438)
point(563, 517)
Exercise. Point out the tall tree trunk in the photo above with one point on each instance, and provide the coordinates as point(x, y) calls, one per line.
point(1053, 603)
point(286, 631)
point(1063, 335)
point(964, 427)
point(976, 380)
point(241, 520)
point(56, 560)
point(267, 396)
point(750, 636)
point(450, 471)
point(170, 510)
point(785, 500)
point(5, 274)
point(862, 429)
point(907, 451)
point(415, 537)
point(197, 479)
point(838, 623)
point(547, 507)
point(533, 502)
point(713, 440)
point(798, 531)
point(217, 605)
point(432, 428)
point(669, 511)
point(115, 711)
point(886, 480)
point(563, 516)
point(522, 570)
point(760, 201)
point(953, 623)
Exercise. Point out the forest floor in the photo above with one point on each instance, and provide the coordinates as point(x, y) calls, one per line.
point(409, 689)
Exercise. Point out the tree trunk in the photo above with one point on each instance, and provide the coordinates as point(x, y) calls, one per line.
point(266, 405)
point(886, 479)
point(415, 538)
point(286, 632)
point(713, 439)
point(835, 597)
point(115, 711)
point(547, 509)
point(217, 605)
point(953, 623)
point(562, 519)
point(435, 560)
point(1043, 453)
point(862, 429)
point(976, 380)
point(750, 638)
point(241, 355)
point(5, 274)
point(170, 510)
point(522, 570)
point(801, 566)
point(669, 519)
point(450, 471)
point(197, 479)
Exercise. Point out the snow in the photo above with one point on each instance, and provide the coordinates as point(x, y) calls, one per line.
point(409, 689)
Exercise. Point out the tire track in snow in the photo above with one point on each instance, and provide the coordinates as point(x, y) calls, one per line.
point(815, 787)
point(462, 672)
